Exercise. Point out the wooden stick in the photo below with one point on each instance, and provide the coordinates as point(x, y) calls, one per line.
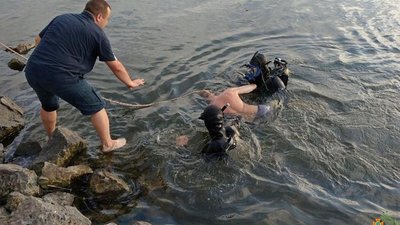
point(14, 51)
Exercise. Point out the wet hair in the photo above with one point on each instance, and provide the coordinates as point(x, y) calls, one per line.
point(97, 6)
point(205, 93)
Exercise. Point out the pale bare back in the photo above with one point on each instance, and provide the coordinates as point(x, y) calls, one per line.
point(231, 96)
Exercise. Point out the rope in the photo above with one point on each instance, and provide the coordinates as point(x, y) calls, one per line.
point(134, 106)
point(11, 50)
point(141, 106)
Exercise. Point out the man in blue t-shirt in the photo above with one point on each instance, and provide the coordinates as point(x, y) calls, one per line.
point(67, 49)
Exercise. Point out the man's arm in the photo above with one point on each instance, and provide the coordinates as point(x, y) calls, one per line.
point(244, 89)
point(37, 40)
point(122, 74)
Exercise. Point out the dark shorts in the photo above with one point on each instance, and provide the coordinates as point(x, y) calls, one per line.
point(263, 111)
point(76, 92)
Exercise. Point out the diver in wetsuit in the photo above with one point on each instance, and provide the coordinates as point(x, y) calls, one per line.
point(267, 79)
point(222, 137)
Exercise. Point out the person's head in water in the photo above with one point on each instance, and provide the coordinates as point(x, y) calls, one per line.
point(221, 136)
point(206, 94)
point(213, 118)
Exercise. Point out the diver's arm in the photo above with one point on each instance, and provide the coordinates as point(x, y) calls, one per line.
point(122, 74)
point(245, 89)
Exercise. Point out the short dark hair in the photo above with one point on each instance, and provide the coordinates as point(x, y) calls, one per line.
point(204, 93)
point(97, 6)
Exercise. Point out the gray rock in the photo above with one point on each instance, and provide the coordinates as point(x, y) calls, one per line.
point(13, 200)
point(59, 198)
point(55, 176)
point(1, 153)
point(3, 212)
point(104, 182)
point(141, 223)
point(28, 149)
point(152, 182)
point(24, 155)
point(16, 64)
point(44, 213)
point(11, 120)
point(17, 178)
point(61, 148)
point(4, 216)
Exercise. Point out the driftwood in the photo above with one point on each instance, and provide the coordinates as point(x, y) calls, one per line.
point(22, 48)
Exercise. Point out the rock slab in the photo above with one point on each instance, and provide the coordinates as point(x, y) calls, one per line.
point(62, 147)
point(11, 120)
point(17, 178)
point(35, 211)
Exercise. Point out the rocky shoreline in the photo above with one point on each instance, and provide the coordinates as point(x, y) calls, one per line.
point(48, 188)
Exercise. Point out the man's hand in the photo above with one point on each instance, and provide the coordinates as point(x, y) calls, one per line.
point(136, 83)
point(122, 74)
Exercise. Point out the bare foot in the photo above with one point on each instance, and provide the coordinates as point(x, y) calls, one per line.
point(116, 144)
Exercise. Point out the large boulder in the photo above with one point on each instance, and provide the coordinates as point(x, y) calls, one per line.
point(103, 182)
point(45, 213)
point(16, 64)
point(59, 198)
point(55, 176)
point(108, 196)
point(62, 147)
point(25, 154)
point(26, 149)
point(17, 178)
point(11, 120)
point(141, 223)
point(4, 216)
point(1, 153)
point(14, 199)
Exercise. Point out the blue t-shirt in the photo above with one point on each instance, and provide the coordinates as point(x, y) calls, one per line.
point(69, 46)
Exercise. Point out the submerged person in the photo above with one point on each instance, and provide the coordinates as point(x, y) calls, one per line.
point(237, 106)
point(268, 80)
point(223, 138)
point(67, 49)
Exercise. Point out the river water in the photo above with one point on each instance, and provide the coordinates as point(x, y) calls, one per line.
point(330, 156)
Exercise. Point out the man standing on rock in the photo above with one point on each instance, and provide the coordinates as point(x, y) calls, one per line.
point(67, 49)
